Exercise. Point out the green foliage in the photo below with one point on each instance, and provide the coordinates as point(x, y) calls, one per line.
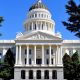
point(9, 58)
point(7, 68)
point(71, 66)
point(1, 20)
point(68, 69)
point(73, 22)
point(75, 60)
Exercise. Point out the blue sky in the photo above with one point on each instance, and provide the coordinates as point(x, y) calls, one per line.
point(15, 13)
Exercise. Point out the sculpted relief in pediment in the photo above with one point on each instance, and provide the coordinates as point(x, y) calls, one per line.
point(38, 36)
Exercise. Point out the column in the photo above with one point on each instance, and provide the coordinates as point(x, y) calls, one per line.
point(54, 61)
point(45, 26)
point(35, 55)
point(20, 54)
point(42, 54)
point(56, 55)
point(27, 55)
point(41, 26)
point(61, 55)
point(16, 54)
point(49, 54)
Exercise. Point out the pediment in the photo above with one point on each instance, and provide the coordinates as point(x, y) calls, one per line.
point(38, 36)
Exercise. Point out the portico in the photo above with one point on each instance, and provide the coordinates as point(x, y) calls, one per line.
point(39, 52)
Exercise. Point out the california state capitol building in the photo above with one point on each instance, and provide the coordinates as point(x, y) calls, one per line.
point(39, 50)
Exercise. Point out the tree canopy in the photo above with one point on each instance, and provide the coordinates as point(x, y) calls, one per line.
point(7, 68)
point(1, 20)
point(71, 66)
point(73, 22)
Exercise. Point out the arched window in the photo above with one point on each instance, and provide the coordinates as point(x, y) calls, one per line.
point(39, 15)
point(54, 74)
point(30, 74)
point(42, 15)
point(22, 74)
point(38, 74)
point(46, 74)
point(35, 15)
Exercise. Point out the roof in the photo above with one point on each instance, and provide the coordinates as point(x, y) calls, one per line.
point(37, 5)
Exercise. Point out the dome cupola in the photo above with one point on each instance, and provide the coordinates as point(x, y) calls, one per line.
point(37, 5)
point(39, 19)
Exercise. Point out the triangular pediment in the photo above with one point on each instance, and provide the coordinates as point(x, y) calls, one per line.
point(38, 36)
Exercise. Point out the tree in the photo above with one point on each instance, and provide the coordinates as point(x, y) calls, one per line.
point(73, 22)
point(1, 20)
point(9, 58)
point(68, 68)
point(75, 60)
point(7, 68)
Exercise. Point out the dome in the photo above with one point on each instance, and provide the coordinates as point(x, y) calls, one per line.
point(39, 4)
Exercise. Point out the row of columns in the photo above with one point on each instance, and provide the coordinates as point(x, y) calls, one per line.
point(40, 26)
point(58, 56)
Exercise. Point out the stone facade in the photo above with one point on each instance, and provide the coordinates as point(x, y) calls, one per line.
point(39, 50)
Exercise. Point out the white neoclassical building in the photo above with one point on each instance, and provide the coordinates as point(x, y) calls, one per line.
point(39, 50)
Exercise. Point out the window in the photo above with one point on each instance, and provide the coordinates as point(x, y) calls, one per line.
point(30, 27)
point(46, 74)
point(25, 60)
point(39, 15)
point(35, 26)
point(32, 16)
point(42, 15)
point(30, 51)
point(54, 74)
point(23, 74)
point(38, 74)
point(42, 26)
point(52, 61)
point(25, 51)
point(29, 61)
point(30, 74)
point(47, 61)
point(47, 51)
point(35, 15)
point(52, 51)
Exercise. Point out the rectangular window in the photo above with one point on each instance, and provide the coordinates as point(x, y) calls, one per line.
point(23, 74)
point(30, 52)
point(25, 60)
point(54, 74)
point(47, 51)
point(30, 74)
point(52, 61)
point(52, 51)
point(47, 61)
point(29, 61)
point(25, 51)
